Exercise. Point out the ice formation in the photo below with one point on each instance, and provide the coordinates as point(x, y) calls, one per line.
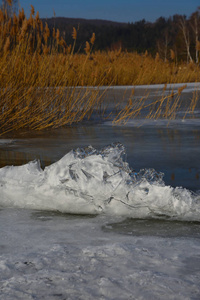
point(91, 181)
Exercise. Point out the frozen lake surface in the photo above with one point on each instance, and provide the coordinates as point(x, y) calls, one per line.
point(48, 255)
point(134, 235)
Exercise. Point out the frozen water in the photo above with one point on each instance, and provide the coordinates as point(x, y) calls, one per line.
point(6, 141)
point(190, 87)
point(88, 181)
point(133, 244)
point(47, 255)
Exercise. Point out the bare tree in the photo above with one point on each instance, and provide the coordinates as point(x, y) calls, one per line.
point(186, 34)
point(195, 23)
point(163, 45)
point(166, 44)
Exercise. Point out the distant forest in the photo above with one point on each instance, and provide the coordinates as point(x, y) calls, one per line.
point(177, 35)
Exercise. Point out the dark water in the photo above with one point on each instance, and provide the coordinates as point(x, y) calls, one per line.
point(173, 150)
point(48, 252)
point(159, 228)
point(133, 227)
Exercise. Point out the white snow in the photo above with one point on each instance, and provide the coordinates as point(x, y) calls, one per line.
point(55, 256)
point(114, 252)
point(6, 141)
point(190, 86)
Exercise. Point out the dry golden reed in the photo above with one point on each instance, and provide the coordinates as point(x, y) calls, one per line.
point(92, 40)
point(32, 10)
point(74, 33)
point(87, 48)
point(172, 54)
point(40, 73)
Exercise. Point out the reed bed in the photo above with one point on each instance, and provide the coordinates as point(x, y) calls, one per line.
point(166, 105)
point(40, 73)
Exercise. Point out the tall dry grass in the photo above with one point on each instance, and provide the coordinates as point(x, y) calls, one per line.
point(40, 73)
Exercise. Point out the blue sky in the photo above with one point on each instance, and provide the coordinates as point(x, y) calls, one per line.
point(114, 10)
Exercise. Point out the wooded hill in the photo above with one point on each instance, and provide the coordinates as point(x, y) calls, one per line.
point(176, 33)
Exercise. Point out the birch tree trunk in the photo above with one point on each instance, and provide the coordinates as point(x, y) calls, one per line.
point(186, 36)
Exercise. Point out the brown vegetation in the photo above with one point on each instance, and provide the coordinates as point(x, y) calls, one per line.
point(40, 74)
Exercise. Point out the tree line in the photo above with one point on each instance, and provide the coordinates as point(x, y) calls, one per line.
point(176, 38)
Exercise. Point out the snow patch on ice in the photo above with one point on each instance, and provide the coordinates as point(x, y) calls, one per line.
point(6, 141)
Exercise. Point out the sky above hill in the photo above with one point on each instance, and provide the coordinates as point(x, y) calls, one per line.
point(114, 10)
